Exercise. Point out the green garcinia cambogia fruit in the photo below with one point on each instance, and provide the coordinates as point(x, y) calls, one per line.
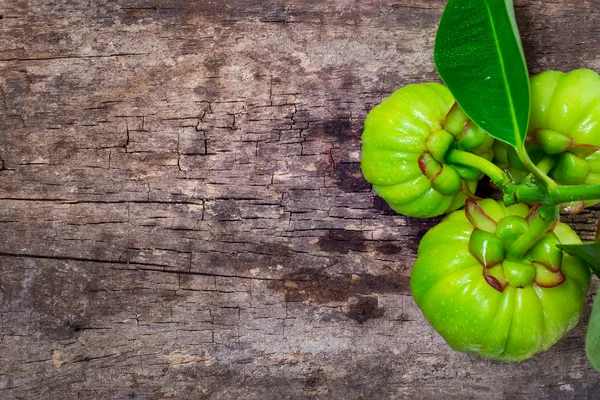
point(564, 129)
point(404, 144)
point(481, 301)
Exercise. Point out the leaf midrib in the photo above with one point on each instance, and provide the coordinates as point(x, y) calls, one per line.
point(504, 76)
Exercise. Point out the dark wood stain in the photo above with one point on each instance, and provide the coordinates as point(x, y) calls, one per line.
point(322, 288)
point(364, 309)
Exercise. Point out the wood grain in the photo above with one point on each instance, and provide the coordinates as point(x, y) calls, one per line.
point(182, 213)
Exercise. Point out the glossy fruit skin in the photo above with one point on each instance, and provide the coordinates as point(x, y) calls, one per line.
point(564, 126)
point(404, 139)
point(448, 284)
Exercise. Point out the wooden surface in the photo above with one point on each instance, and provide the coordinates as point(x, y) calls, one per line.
point(182, 213)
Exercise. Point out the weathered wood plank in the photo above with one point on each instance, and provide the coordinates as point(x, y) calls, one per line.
point(182, 213)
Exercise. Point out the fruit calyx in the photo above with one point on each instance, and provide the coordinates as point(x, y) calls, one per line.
point(489, 243)
point(569, 165)
point(457, 132)
point(443, 177)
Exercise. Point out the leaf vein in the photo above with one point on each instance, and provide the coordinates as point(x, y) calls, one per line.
point(504, 75)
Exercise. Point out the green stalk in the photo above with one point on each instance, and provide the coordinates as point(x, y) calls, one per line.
point(534, 169)
point(499, 177)
point(546, 164)
point(531, 193)
point(540, 225)
point(564, 194)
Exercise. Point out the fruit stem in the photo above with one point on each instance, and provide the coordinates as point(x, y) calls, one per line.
point(546, 164)
point(530, 192)
point(499, 177)
point(534, 169)
point(567, 193)
point(540, 225)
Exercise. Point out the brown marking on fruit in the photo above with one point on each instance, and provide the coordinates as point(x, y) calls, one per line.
point(423, 164)
point(573, 208)
point(495, 283)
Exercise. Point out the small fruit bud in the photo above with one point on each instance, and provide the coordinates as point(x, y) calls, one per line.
point(552, 142)
point(570, 169)
point(455, 120)
point(429, 166)
point(439, 143)
point(547, 278)
point(519, 273)
point(447, 182)
point(511, 228)
point(478, 218)
point(546, 253)
point(472, 138)
point(486, 248)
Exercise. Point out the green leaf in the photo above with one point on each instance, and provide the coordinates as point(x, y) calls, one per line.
point(479, 57)
point(588, 252)
point(592, 338)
